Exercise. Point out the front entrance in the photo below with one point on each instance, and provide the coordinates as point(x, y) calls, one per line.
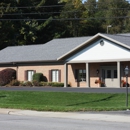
point(109, 76)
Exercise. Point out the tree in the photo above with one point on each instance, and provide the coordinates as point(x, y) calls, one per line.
point(29, 30)
point(91, 24)
point(71, 14)
point(116, 15)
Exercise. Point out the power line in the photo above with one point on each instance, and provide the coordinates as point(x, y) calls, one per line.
point(67, 19)
point(25, 7)
point(41, 13)
point(60, 12)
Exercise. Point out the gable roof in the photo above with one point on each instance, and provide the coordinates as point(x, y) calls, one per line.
point(122, 40)
point(55, 49)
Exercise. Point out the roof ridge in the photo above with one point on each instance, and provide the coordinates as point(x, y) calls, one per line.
point(72, 37)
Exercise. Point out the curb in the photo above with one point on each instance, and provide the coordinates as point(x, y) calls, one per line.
point(97, 116)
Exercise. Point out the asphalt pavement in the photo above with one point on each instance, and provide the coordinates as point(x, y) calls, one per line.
point(67, 89)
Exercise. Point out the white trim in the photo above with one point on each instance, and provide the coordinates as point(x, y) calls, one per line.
point(65, 75)
point(119, 43)
point(87, 75)
point(99, 61)
point(119, 74)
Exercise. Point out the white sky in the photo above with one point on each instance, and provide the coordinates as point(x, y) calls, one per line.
point(97, 0)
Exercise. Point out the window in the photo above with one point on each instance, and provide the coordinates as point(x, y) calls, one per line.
point(55, 75)
point(108, 73)
point(115, 73)
point(29, 75)
point(80, 75)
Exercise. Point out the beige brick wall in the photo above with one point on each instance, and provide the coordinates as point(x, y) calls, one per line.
point(71, 73)
point(40, 69)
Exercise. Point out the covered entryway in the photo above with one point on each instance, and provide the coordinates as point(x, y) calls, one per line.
point(101, 53)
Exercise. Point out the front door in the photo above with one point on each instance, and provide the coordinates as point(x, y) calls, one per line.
point(109, 76)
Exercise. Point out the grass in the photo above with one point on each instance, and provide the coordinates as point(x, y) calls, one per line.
point(62, 101)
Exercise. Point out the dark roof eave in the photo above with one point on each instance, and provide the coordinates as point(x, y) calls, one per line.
point(22, 62)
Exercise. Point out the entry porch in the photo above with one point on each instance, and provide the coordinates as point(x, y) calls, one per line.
point(96, 74)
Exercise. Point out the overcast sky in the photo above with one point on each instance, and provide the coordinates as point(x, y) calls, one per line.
point(97, 0)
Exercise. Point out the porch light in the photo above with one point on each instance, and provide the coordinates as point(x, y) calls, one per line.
point(126, 74)
point(97, 71)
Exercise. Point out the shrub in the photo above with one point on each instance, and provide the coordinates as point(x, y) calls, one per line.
point(7, 75)
point(35, 83)
point(26, 83)
point(14, 82)
point(38, 77)
point(22, 83)
point(44, 84)
point(53, 84)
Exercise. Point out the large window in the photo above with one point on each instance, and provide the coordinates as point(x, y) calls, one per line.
point(80, 75)
point(29, 75)
point(55, 75)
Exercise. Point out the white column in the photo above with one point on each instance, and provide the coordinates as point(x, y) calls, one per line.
point(87, 75)
point(65, 75)
point(118, 74)
point(17, 72)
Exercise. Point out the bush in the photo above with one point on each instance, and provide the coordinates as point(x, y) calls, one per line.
point(6, 76)
point(38, 77)
point(53, 84)
point(26, 83)
point(14, 82)
point(35, 83)
point(44, 84)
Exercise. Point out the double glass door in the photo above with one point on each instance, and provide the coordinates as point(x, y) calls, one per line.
point(109, 76)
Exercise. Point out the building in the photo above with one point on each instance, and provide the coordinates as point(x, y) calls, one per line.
point(96, 61)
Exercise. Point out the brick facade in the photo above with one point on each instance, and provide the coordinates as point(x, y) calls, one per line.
point(71, 72)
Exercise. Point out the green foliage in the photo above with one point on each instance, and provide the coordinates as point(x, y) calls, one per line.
point(38, 77)
point(53, 84)
point(6, 76)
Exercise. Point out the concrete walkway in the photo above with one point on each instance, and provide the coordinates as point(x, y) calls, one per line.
point(120, 116)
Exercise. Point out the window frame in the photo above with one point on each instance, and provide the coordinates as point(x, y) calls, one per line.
point(27, 75)
point(80, 75)
point(51, 75)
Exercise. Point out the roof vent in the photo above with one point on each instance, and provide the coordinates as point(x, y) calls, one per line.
point(101, 42)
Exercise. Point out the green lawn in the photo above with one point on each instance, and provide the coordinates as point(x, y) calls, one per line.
point(62, 101)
